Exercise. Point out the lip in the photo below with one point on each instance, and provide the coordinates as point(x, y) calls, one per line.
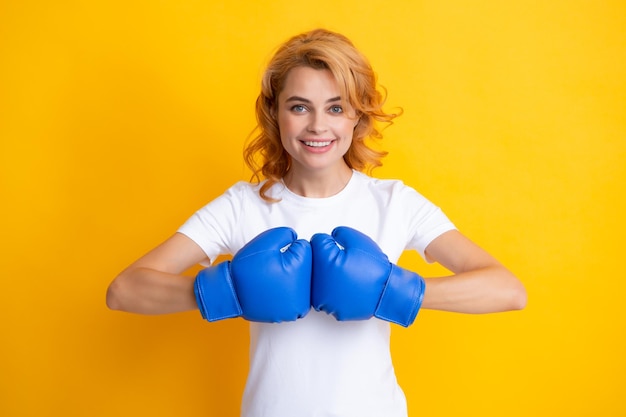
point(317, 145)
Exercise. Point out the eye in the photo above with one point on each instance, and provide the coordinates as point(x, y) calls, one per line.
point(336, 109)
point(298, 108)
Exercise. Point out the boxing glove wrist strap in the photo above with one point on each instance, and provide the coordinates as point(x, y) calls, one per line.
point(215, 293)
point(402, 297)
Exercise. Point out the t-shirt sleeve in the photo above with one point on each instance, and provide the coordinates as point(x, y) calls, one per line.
point(213, 225)
point(427, 222)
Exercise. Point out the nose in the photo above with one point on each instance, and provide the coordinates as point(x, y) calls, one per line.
point(317, 123)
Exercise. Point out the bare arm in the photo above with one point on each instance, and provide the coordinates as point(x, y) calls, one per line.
point(153, 284)
point(480, 284)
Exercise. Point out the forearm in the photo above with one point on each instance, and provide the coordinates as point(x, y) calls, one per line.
point(487, 290)
point(148, 291)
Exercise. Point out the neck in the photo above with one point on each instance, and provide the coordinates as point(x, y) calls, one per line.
point(318, 185)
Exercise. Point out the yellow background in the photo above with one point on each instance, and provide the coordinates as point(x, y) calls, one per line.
point(118, 119)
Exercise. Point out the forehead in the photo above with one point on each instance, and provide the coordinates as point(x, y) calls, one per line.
point(310, 81)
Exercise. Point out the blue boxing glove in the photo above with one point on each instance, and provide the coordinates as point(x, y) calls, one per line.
point(354, 280)
point(268, 280)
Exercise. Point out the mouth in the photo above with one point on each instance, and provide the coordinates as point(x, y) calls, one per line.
point(317, 143)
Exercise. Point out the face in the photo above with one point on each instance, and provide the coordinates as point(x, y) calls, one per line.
point(315, 127)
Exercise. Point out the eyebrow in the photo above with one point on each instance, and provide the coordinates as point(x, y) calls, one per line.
point(305, 100)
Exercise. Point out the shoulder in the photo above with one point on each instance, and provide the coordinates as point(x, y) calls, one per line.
point(241, 191)
point(244, 188)
point(380, 183)
point(231, 201)
point(395, 189)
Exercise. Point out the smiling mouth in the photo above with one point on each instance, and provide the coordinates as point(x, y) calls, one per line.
point(317, 144)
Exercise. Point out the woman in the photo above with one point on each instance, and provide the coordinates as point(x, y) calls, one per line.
point(318, 104)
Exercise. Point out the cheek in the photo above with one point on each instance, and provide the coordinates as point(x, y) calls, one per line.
point(347, 128)
point(285, 125)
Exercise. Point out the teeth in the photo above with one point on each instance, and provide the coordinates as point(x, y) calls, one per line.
point(317, 144)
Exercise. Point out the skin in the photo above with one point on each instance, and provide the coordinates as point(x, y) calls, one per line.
point(310, 112)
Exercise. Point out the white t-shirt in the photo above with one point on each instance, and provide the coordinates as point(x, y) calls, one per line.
point(317, 366)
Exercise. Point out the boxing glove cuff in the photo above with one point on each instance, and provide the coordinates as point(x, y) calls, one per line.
point(215, 293)
point(402, 297)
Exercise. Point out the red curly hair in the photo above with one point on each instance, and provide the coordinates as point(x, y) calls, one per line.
point(356, 80)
